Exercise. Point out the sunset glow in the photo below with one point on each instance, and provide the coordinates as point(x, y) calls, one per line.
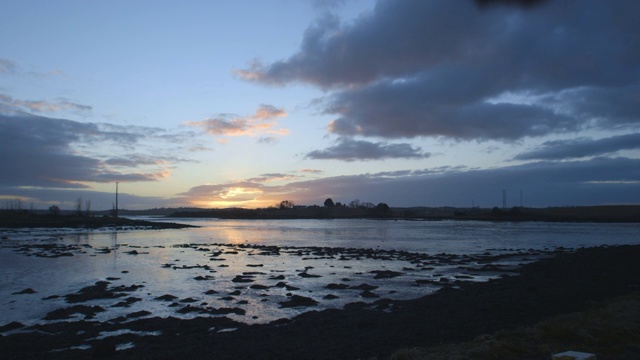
point(250, 103)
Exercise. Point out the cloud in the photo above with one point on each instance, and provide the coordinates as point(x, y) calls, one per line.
point(67, 199)
point(242, 193)
point(7, 66)
point(41, 106)
point(549, 183)
point(350, 150)
point(39, 151)
point(264, 121)
point(138, 160)
point(271, 177)
point(581, 147)
point(600, 180)
point(523, 3)
point(435, 68)
point(311, 171)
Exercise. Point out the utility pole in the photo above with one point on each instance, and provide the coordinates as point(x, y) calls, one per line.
point(116, 200)
point(504, 199)
point(520, 197)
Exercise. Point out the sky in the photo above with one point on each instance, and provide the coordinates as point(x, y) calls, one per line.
point(248, 103)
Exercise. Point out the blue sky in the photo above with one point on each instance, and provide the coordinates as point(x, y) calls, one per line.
point(248, 103)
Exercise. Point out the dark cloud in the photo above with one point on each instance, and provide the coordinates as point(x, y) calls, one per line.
point(455, 69)
point(67, 198)
point(581, 147)
point(596, 181)
point(401, 110)
point(350, 150)
point(138, 160)
point(39, 151)
point(523, 3)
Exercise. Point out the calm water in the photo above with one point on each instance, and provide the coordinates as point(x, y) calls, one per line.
point(200, 264)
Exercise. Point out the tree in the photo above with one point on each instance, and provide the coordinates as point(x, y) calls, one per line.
point(87, 208)
point(286, 204)
point(383, 208)
point(54, 210)
point(329, 203)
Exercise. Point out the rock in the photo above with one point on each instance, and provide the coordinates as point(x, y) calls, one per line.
point(138, 314)
point(97, 291)
point(202, 278)
point(333, 286)
point(11, 326)
point(368, 294)
point(385, 274)
point(365, 287)
point(259, 287)
point(166, 297)
point(66, 313)
point(25, 291)
point(305, 274)
point(242, 279)
point(297, 300)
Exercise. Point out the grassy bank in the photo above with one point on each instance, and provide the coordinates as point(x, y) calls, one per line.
point(611, 330)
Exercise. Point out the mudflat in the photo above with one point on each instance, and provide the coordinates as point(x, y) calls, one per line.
point(564, 283)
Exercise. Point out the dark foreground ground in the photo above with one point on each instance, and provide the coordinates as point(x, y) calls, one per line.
point(563, 284)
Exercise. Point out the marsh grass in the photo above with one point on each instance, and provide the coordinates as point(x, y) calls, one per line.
point(611, 330)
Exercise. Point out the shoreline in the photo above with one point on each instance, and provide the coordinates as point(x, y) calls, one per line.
point(565, 283)
point(592, 214)
point(81, 222)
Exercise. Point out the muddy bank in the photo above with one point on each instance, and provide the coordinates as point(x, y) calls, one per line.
point(565, 283)
point(13, 221)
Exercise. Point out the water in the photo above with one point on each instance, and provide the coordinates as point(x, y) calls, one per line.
point(198, 266)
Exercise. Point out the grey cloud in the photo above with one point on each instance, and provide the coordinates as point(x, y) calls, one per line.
point(137, 160)
point(523, 3)
point(431, 68)
point(270, 177)
point(66, 199)
point(39, 151)
point(7, 66)
point(42, 106)
point(581, 147)
point(396, 110)
point(595, 181)
point(350, 150)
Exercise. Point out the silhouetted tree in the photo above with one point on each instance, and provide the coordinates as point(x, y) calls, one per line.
point(383, 207)
point(286, 204)
point(87, 208)
point(54, 210)
point(329, 203)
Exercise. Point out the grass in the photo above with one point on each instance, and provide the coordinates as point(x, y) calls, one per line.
point(610, 330)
